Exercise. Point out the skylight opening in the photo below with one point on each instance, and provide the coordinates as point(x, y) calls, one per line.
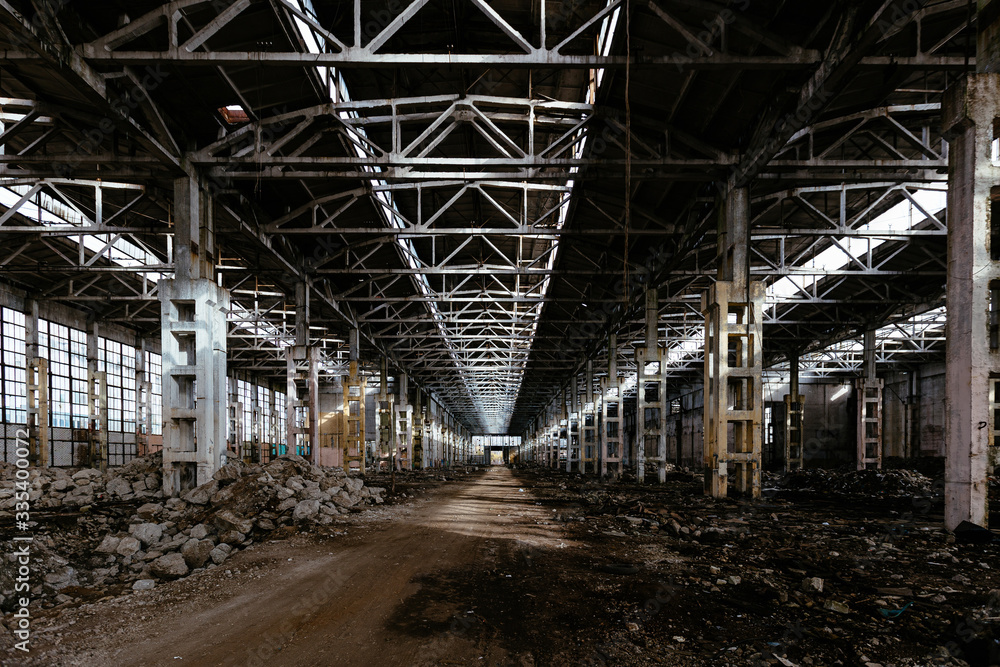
point(234, 114)
point(902, 217)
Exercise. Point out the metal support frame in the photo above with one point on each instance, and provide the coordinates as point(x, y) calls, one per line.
point(38, 413)
point(354, 385)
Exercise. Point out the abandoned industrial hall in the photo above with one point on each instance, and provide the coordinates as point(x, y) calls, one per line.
point(527, 333)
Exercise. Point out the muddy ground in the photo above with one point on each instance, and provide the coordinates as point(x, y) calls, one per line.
point(535, 567)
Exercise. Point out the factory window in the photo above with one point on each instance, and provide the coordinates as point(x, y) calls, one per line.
point(117, 361)
point(13, 369)
point(13, 392)
point(66, 351)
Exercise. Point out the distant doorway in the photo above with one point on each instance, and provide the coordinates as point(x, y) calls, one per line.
point(496, 457)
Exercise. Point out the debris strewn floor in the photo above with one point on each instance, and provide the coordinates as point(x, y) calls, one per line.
point(538, 567)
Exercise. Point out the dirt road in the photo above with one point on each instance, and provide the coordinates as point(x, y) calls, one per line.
point(376, 599)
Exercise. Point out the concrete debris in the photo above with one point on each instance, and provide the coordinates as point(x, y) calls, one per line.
point(880, 483)
point(127, 533)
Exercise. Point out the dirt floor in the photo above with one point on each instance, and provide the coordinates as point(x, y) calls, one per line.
point(535, 567)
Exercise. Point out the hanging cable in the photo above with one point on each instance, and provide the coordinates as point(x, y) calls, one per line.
point(628, 147)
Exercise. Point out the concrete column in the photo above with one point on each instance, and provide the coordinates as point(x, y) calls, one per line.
point(143, 401)
point(193, 311)
point(565, 426)
point(404, 425)
point(97, 402)
point(385, 417)
point(911, 416)
point(354, 385)
point(37, 381)
point(610, 428)
point(193, 343)
point(869, 413)
point(733, 386)
point(794, 402)
point(302, 368)
point(588, 424)
point(970, 113)
point(573, 426)
point(417, 434)
point(651, 431)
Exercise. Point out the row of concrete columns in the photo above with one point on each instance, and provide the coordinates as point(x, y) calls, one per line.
point(733, 397)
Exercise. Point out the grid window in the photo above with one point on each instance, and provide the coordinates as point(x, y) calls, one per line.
point(117, 361)
point(14, 363)
point(66, 350)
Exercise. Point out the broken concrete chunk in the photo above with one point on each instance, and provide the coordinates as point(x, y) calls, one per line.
point(839, 607)
point(120, 488)
point(170, 566)
point(147, 533)
point(149, 510)
point(305, 510)
point(232, 537)
point(202, 494)
point(128, 546)
point(195, 552)
point(144, 585)
point(220, 553)
point(229, 472)
point(229, 520)
point(109, 544)
point(812, 585)
point(200, 531)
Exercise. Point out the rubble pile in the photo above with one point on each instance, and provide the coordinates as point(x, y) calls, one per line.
point(55, 487)
point(104, 533)
point(883, 483)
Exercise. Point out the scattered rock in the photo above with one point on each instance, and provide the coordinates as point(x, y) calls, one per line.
point(170, 566)
point(147, 533)
point(196, 552)
point(812, 585)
